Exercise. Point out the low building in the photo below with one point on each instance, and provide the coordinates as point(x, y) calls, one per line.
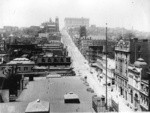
point(92, 49)
point(52, 60)
point(23, 65)
point(101, 68)
point(14, 70)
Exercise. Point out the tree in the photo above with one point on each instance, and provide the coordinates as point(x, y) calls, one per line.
point(83, 31)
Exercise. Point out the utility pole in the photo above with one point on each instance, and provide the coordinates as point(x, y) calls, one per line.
point(106, 65)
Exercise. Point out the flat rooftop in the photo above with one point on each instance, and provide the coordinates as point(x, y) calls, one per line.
point(53, 91)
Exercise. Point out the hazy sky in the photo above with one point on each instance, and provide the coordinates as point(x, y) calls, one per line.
point(117, 13)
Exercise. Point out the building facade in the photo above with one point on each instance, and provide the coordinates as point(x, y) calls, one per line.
point(50, 26)
point(129, 74)
point(122, 56)
point(138, 87)
point(76, 22)
point(134, 78)
point(101, 67)
point(145, 95)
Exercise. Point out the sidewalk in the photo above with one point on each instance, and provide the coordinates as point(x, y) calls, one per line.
point(115, 95)
point(84, 69)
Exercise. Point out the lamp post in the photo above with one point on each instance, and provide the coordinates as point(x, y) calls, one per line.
point(106, 65)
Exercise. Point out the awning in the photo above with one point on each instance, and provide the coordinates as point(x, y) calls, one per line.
point(96, 65)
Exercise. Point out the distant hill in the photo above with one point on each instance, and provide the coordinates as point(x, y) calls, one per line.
point(112, 33)
point(115, 33)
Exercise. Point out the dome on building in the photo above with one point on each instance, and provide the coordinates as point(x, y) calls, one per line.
point(11, 35)
point(140, 62)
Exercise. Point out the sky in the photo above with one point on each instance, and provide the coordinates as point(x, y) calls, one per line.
point(130, 14)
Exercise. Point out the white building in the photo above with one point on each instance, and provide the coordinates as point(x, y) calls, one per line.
point(76, 22)
point(101, 65)
point(138, 91)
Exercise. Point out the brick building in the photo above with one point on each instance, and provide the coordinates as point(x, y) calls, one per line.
point(50, 26)
point(93, 49)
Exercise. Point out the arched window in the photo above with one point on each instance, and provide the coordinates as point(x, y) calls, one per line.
point(43, 60)
point(61, 60)
point(67, 59)
point(55, 60)
point(49, 60)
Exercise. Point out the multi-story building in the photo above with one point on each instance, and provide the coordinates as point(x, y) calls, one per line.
point(139, 48)
point(129, 54)
point(50, 27)
point(138, 87)
point(145, 95)
point(92, 49)
point(134, 78)
point(122, 56)
point(84, 46)
point(76, 22)
point(101, 68)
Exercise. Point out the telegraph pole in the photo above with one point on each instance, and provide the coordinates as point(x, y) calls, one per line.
point(106, 65)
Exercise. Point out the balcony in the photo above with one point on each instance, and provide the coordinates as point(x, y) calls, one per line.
point(144, 92)
point(144, 105)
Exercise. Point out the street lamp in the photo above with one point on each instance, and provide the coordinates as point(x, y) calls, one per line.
point(106, 65)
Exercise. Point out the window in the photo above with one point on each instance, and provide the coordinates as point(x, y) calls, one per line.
point(25, 68)
point(125, 84)
point(147, 89)
point(43, 60)
point(139, 55)
point(147, 101)
point(144, 100)
point(19, 68)
point(62, 60)
point(113, 81)
point(55, 60)
point(142, 86)
point(49, 60)
point(139, 48)
point(67, 59)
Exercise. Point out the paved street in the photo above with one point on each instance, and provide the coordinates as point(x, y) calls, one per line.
point(53, 89)
point(81, 66)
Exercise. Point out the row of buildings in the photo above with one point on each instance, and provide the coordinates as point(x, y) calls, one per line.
point(21, 62)
point(128, 73)
point(127, 66)
point(132, 72)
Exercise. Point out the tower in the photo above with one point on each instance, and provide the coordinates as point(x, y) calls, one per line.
point(57, 24)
